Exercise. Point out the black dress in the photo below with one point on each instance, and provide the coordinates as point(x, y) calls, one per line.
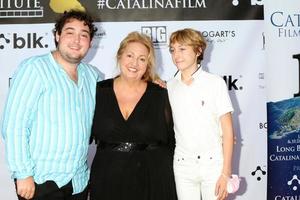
point(144, 172)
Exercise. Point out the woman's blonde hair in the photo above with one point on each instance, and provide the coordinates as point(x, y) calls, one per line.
point(146, 41)
point(191, 38)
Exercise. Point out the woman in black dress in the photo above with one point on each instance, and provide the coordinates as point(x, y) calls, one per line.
point(133, 129)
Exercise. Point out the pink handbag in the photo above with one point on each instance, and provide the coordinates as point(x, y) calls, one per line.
point(233, 183)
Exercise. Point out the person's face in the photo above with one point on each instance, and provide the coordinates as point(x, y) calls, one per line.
point(134, 60)
point(74, 41)
point(183, 56)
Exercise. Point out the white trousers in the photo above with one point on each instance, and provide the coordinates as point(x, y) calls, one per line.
point(196, 176)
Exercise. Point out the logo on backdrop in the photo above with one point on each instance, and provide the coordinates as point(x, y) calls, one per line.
point(218, 35)
point(99, 35)
point(294, 182)
point(263, 125)
point(158, 35)
point(59, 6)
point(2, 36)
point(22, 41)
point(233, 82)
point(261, 78)
point(253, 2)
point(297, 56)
point(259, 172)
point(287, 24)
point(145, 4)
point(20, 9)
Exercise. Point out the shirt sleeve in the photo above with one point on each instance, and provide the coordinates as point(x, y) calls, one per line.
point(17, 119)
point(99, 75)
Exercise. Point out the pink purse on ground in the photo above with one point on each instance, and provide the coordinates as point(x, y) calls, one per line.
point(233, 183)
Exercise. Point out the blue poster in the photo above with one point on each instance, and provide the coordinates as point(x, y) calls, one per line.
point(284, 149)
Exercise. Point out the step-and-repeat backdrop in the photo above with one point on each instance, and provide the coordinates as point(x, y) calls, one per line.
point(236, 51)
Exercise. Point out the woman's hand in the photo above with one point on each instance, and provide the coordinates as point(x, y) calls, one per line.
point(160, 82)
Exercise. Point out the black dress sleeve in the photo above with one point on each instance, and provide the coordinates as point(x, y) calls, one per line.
point(169, 123)
point(101, 94)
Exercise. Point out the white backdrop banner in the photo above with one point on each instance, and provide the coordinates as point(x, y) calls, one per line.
point(236, 51)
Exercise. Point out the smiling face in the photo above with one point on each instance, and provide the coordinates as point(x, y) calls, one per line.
point(74, 41)
point(184, 57)
point(133, 61)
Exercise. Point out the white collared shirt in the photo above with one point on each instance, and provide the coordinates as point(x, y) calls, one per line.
point(196, 112)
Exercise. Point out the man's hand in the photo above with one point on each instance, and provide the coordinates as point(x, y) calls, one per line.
point(221, 188)
point(26, 187)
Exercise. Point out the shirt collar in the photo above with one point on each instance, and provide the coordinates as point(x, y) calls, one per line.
point(80, 70)
point(195, 75)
